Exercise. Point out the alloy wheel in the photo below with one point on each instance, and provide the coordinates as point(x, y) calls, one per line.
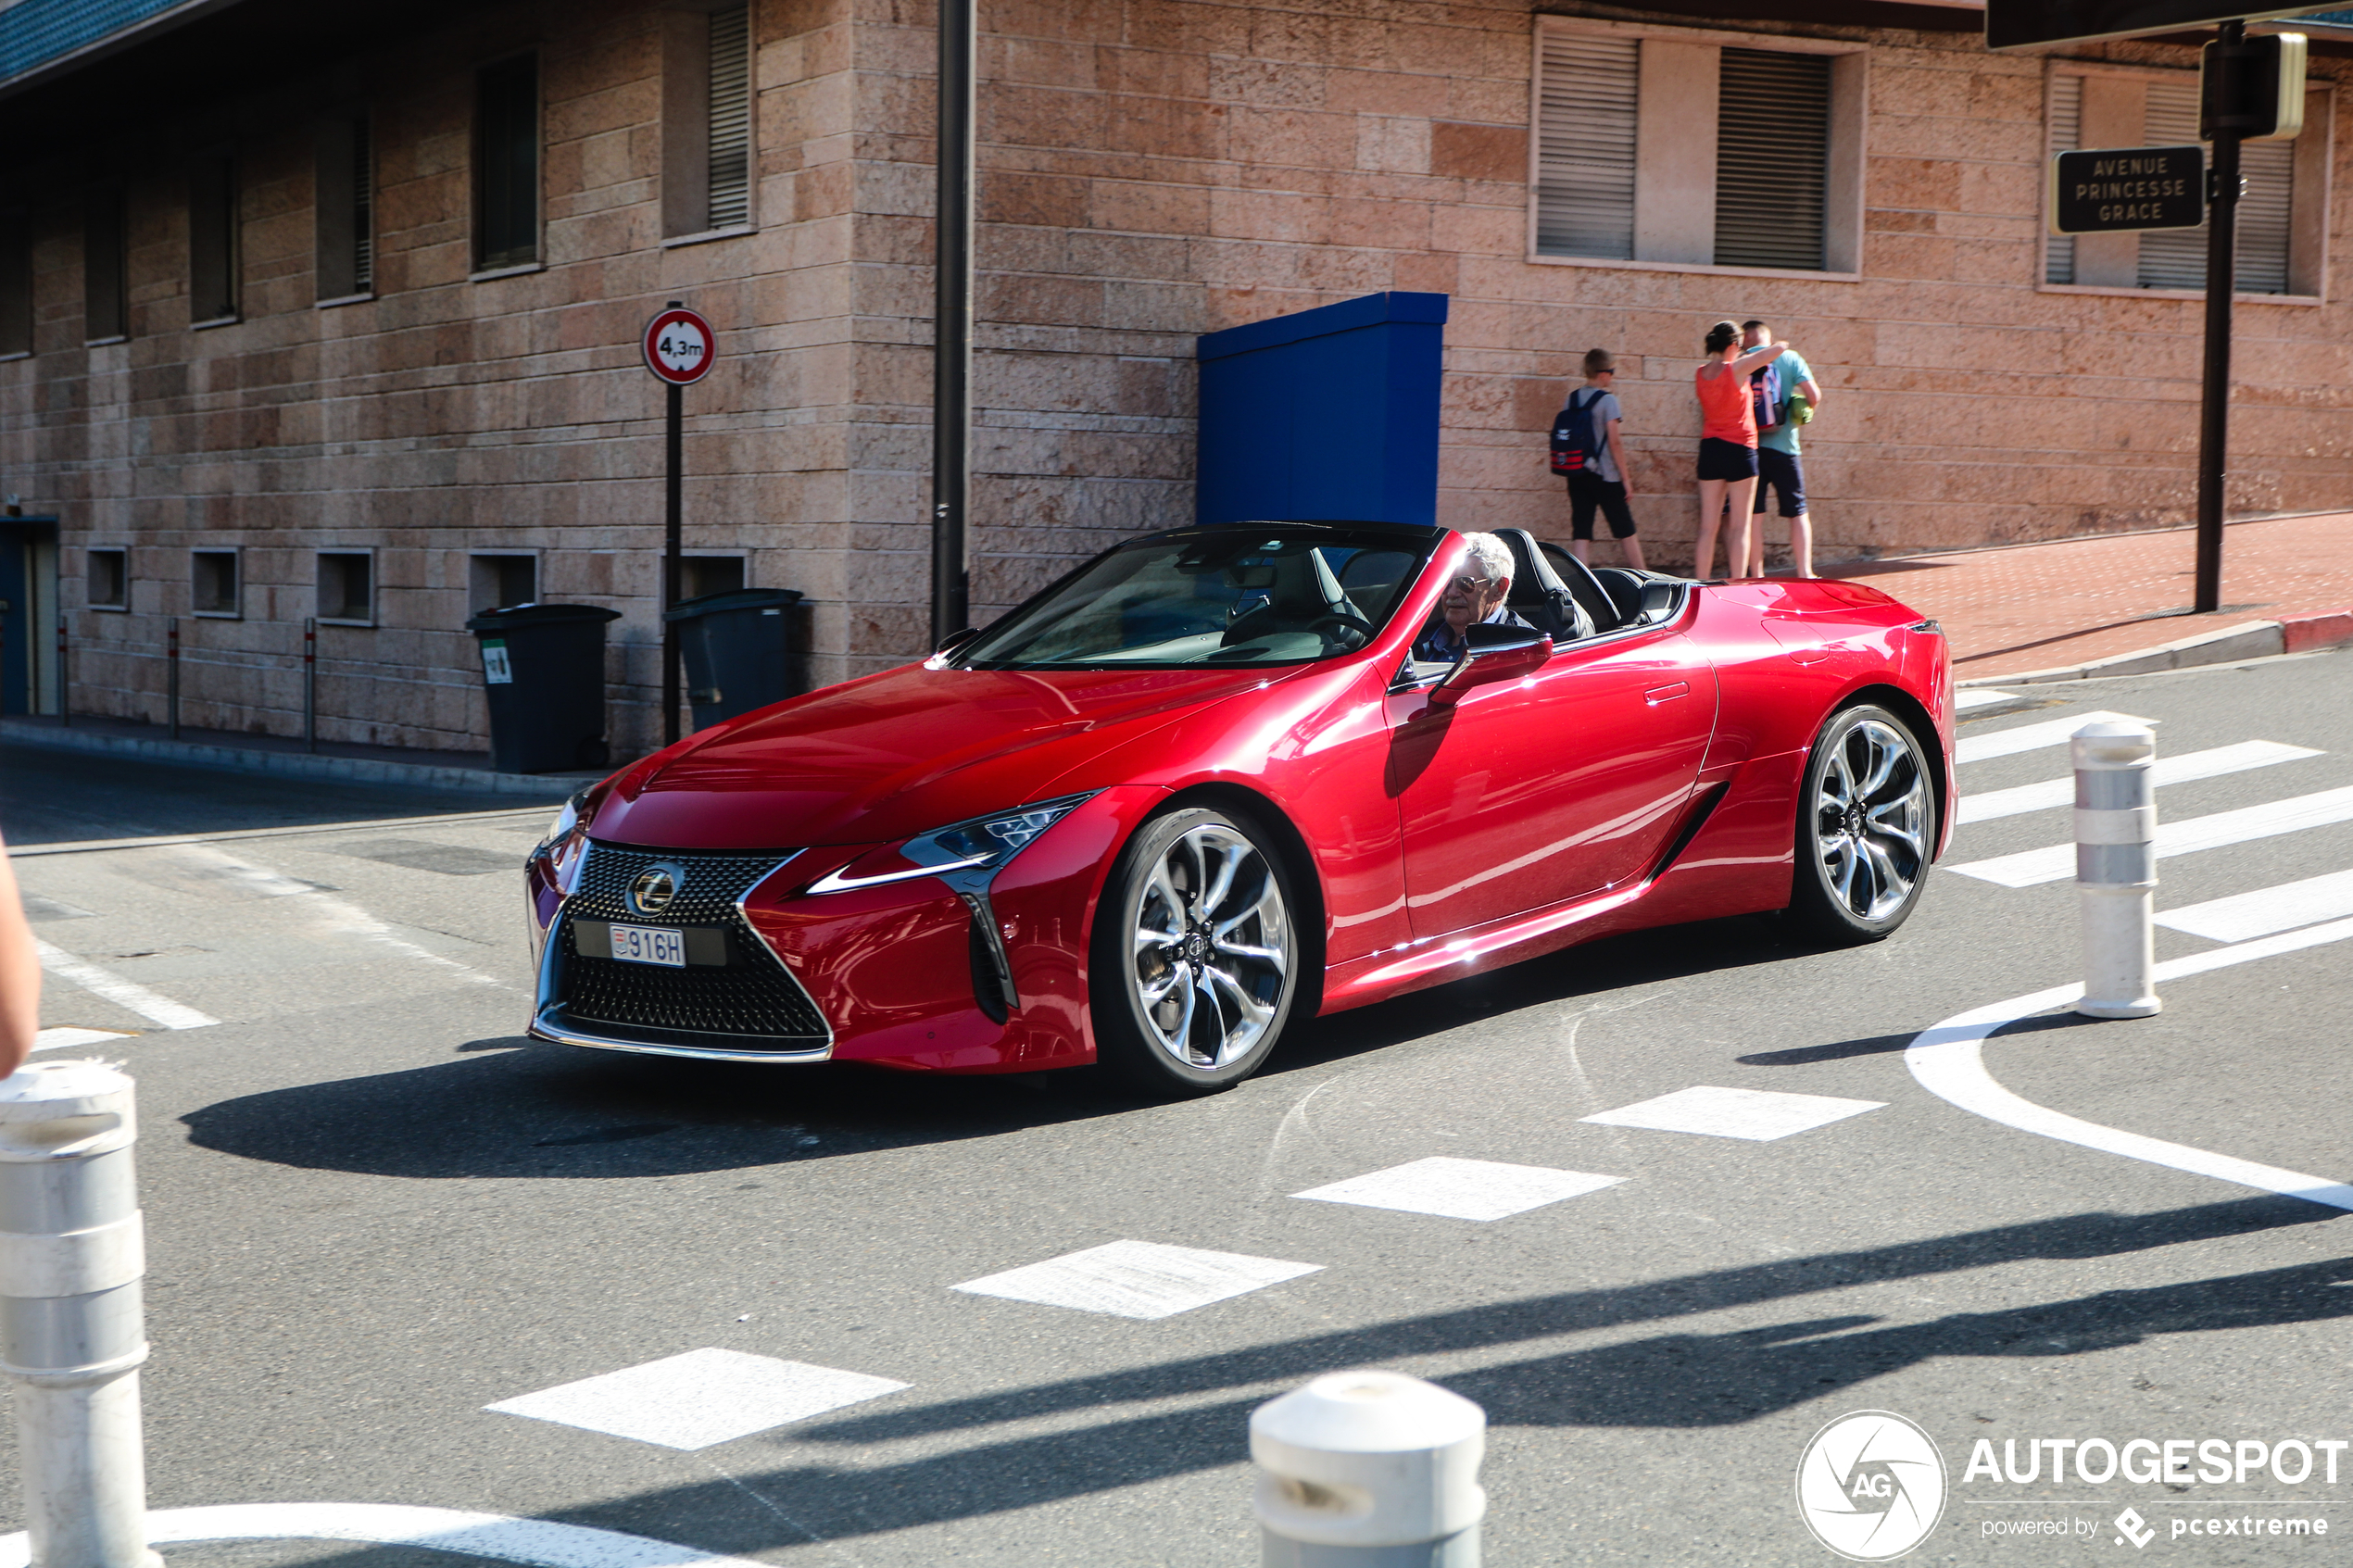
point(1870, 820)
point(1211, 947)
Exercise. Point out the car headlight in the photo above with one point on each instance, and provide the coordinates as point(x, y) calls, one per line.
point(978, 847)
point(567, 835)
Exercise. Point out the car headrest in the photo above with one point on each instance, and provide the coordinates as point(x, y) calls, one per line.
point(1583, 589)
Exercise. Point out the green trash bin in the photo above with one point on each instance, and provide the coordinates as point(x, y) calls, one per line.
point(737, 648)
point(542, 669)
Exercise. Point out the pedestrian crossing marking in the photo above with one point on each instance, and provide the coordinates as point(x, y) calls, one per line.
point(2243, 916)
point(2028, 867)
point(1759, 1115)
point(65, 1040)
point(1138, 1279)
point(2212, 763)
point(698, 1400)
point(2034, 736)
point(1965, 700)
point(1461, 1189)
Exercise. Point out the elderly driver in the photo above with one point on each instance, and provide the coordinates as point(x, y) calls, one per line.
point(1474, 597)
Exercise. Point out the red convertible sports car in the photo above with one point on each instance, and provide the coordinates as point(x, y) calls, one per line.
point(1202, 787)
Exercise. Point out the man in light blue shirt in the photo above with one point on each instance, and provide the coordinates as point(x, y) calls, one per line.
point(1778, 468)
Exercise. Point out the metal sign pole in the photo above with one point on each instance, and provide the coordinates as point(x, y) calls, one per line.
point(2222, 282)
point(952, 325)
point(674, 443)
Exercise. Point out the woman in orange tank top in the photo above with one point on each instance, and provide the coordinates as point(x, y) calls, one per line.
point(1727, 444)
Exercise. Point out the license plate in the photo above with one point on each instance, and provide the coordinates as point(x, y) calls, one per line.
point(643, 943)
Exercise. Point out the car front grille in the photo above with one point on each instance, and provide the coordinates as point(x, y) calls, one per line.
point(752, 1004)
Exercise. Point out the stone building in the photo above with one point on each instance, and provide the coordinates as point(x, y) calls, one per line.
point(331, 310)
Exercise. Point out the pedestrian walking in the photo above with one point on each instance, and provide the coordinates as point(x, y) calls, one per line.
point(1727, 446)
point(1784, 396)
point(20, 974)
point(1587, 449)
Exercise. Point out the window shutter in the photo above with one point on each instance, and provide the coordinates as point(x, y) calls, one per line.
point(1772, 158)
point(2175, 258)
point(1585, 147)
point(2067, 132)
point(730, 116)
point(363, 209)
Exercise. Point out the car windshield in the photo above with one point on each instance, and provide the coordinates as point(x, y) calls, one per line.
point(1262, 595)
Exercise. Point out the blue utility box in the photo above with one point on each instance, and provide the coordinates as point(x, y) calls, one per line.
point(1330, 413)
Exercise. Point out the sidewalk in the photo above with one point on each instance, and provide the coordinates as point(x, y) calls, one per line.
point(2050, 609)
point(283, 757)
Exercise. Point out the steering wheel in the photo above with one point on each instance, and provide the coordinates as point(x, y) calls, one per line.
point(1347, 620)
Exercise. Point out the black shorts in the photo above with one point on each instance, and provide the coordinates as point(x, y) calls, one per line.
point(1587, 491)
point(1780, 471)
point(1726, 460)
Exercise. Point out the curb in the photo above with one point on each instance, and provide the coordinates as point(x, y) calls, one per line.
point(296, 764)
point(2226, 645)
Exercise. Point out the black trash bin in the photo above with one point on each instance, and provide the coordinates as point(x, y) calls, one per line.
point(543, 668)
point(737, 648)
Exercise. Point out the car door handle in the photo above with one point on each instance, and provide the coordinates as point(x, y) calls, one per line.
point(1657, 694)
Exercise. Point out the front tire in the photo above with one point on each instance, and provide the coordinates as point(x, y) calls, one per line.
point(1196, 956)
point(1866, 828)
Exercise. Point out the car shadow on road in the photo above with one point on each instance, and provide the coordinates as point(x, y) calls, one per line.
point(1678, 1379)
point(511, 1106)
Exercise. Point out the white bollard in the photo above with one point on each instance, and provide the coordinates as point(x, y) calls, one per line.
point(2116, 865)
point(72, 1329)
point(1369, 1469)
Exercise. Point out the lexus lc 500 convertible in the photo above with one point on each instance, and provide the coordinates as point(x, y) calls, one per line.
point(1200, 788)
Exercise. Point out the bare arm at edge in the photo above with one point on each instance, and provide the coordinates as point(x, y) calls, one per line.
point(1618, 453)
point(20, 974)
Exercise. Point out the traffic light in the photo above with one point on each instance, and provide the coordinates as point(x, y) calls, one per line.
point(2252, 90)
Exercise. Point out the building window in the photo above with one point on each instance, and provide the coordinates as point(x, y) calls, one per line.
point(15, 282)
point(507, 165)
point(346, 587)
point(109, 576)
point(106, 265)
point(1661, 151)
point(2281, 211)
point(698, 575)
point(707, 120)
point(502, 582)
point(213, 582)
point(212, 239)
point(343, 205)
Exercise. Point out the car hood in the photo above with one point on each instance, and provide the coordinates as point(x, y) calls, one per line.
point(875, 760)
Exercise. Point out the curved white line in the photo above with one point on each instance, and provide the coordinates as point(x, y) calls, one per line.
point(536, 1543)
point(1949, 1062)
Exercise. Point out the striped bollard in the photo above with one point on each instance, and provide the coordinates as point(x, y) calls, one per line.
point(72, 1329)
point(2116, 865)
point(1369, 1469)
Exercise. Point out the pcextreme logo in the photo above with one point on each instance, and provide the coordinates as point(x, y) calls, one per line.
point(1871, 1486)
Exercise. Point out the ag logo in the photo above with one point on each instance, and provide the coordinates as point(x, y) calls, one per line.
point(1871, 1486)
point(655, 888)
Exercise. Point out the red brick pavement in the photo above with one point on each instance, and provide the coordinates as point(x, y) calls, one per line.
point(2038, 606)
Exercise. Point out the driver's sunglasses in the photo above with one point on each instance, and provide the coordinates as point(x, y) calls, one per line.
point(1470, 584)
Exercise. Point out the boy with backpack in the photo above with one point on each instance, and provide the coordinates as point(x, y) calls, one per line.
point(1586, 449)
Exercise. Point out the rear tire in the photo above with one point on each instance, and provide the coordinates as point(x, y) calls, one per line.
point(1196, 961)
point(1866, 828)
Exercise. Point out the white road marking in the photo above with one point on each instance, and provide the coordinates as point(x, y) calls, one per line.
point(336, 914)
point(700, 1399)
point(1979, 698)
point(64, 1039)
point(161, 1011)
point(536, 1543)
point(1760, 1115)
point(2033, 737)
point(1461, 1189)
point(2028, 867)
point(97, 846)
point(1949, 1062)
point(1138, 1279)
point(2267, 909)
point(2212, 763)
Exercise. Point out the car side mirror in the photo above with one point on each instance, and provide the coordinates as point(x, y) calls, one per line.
point(1494, 653)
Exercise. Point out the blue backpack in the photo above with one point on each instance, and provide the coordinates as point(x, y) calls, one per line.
point(1577, 446)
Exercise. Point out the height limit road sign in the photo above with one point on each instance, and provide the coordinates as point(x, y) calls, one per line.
point(680, 346)
point(2124, 190)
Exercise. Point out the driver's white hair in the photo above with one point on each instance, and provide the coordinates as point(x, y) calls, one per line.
point(1491, 554)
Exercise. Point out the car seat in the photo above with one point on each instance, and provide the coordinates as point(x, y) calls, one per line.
point(1625, 590)
point(1573, 575)
point(1538, 596)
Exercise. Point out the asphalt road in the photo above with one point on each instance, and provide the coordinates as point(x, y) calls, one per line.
point(373, 1211)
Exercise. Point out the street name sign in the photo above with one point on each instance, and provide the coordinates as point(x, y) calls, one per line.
point(680, 346)
point(2128, 190)
point(2029, 24)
